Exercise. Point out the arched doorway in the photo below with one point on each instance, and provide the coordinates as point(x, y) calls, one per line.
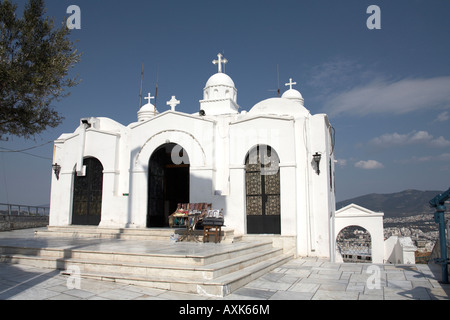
point(262, 180)
point(354, 244)
point(87, 194)
point(168, 183)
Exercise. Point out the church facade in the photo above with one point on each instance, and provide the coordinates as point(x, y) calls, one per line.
point(271, 169)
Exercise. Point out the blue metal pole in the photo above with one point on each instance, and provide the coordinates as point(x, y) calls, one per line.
point(439, 217)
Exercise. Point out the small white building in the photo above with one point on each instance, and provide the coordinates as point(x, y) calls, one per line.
point(271, 169)
point(372, 222)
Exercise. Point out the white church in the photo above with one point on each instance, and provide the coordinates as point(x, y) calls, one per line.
point(271, 169)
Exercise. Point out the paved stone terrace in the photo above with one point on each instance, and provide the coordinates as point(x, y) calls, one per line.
point(298, 279)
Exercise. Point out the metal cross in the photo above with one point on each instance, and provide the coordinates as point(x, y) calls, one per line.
point(173, 103)
point(290, 84)
point(221, 59)
point(149, 98)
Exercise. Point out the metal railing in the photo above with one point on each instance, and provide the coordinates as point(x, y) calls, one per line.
point(360, 252)
point(23, 210)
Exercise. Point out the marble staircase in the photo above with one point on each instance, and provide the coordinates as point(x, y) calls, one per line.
point(141, 257)
point(227, 235)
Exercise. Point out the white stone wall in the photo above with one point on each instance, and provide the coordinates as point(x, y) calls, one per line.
point(354, 215)
point(217, 147)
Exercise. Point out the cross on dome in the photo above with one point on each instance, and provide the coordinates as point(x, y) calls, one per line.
point(290, 84)
point(149, 98)
point(221, 59)
point(173, 103)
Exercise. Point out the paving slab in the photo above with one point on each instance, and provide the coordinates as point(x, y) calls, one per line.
point(291, 295)
point(255, 294)
point(335, 295)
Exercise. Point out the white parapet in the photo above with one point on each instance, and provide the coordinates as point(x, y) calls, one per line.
point(399, 250)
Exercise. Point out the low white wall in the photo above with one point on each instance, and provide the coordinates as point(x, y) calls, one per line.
point(399, 250)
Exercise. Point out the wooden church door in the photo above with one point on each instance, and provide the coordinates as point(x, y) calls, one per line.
point(87, 194)
point(262, 178)
point(168, 185)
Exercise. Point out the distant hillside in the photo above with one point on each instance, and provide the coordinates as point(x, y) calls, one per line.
point(405, 203)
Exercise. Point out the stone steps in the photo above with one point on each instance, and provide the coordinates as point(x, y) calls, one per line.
point(157, 267)
point(220, 286)
point(204, 268)
point(241, 249)
point(156, 234)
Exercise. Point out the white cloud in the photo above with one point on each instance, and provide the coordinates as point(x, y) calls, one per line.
point(442, 117)
point(390, 139)
point(420, 137)
point(335, 74)
point(391, 97)
point(444, 157)
point(341, 162)
point(440, 142)
point(369, 165)
point(395, 139)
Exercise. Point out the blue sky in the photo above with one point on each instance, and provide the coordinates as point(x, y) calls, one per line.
point(386, 91)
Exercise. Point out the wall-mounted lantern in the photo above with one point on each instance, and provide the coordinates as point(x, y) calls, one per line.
point(317, 158)
point(56, 169)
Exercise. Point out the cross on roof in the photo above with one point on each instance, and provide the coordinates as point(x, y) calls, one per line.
point(290, 84)
point(221, 59)
point(149, 98)
point(173, 103)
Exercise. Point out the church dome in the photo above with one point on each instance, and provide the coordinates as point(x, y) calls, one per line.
point(147, 108)
point(219, 79)
point(279, 107)
point(293, 94)
point(147, 111)
point(291, 103)
point(219, 94)
point(219, 86)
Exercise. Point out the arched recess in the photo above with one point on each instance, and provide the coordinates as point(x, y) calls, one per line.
point(262, 184)
point(168, 183)
point(354, 244)
point(88, 193)
point(138, 202)
point(197, 156)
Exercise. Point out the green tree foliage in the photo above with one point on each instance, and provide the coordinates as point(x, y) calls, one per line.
point(35, 58)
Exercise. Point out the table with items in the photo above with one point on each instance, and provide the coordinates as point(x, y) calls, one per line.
point(212, 225)
point(197, 216)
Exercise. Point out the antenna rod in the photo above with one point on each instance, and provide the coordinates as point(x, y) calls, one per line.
point(157, 79)
point(140, 92)
point(278, 80)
